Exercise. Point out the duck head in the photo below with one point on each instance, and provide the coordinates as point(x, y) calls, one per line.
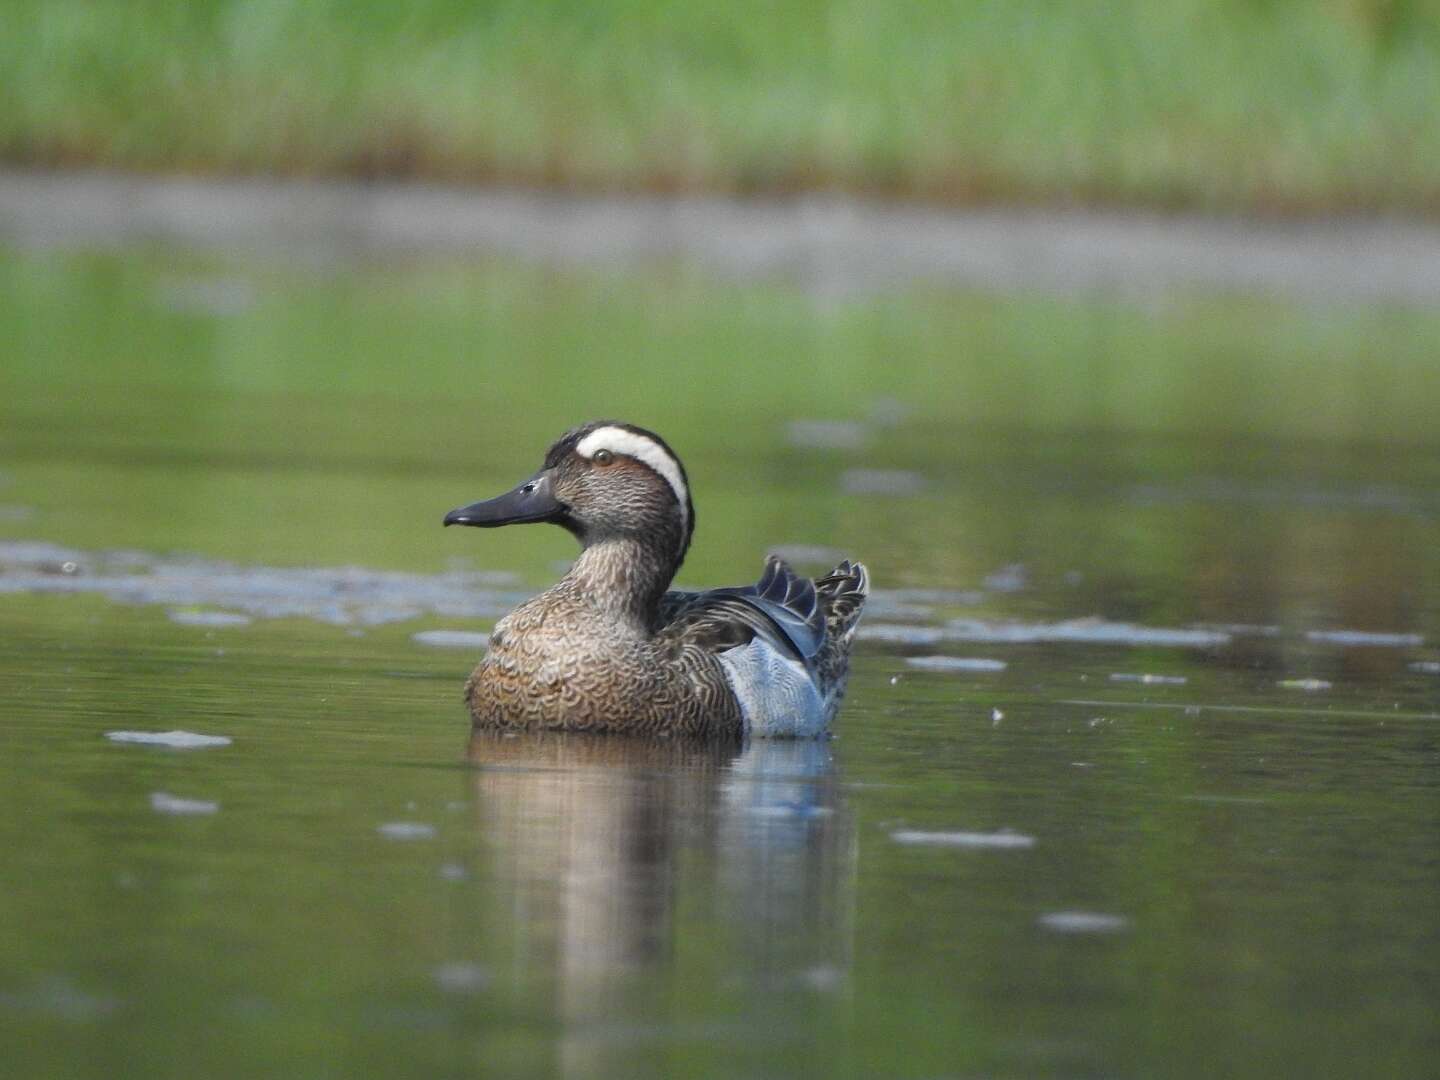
point(603, 481)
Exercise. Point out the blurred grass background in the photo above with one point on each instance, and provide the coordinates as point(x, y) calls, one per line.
point(1218, 105)
point(239, 409)
point(234, 407)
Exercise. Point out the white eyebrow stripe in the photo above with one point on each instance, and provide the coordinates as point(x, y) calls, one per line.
point(619, 441)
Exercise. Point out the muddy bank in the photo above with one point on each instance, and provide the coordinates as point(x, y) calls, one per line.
point(828, 246)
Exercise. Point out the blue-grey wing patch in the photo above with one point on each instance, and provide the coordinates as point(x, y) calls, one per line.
point(781, 607)
point(790, 601)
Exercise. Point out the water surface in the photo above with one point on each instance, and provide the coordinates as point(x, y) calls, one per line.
point(1137, 775)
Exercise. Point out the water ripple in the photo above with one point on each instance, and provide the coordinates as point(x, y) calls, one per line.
point(345, 596)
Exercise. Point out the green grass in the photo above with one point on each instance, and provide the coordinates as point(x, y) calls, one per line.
point(1266, 105)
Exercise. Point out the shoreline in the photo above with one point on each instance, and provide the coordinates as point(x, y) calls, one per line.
point(828, 246)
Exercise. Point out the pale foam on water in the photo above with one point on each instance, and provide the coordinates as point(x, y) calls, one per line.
point(1086, 631)
point(177, 740)
point(406, 830)
point(979, 840)
point(955, 663)
point(194, 587)
point(1083, 922)
point(209, 618)
point(164, 803)
point(452, 639)
point(1360, 638)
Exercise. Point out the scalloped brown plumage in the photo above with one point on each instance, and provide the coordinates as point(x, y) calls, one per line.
point(608, 649)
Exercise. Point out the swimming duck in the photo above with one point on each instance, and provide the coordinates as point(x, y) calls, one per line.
point(609, 648)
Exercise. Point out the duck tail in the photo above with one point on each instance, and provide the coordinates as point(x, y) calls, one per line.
point(841, 594)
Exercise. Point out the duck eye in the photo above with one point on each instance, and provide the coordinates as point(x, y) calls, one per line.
point(603, 457)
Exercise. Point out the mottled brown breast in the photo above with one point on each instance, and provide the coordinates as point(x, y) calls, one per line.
point(556, 665)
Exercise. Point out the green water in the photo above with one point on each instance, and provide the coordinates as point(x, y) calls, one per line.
point(1267, 856)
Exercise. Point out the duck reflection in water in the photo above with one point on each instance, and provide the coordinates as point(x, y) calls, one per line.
point(634, 868)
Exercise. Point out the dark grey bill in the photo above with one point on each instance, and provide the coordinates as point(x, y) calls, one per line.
point(531, 501)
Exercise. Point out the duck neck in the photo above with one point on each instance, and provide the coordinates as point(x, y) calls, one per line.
point(623, 577)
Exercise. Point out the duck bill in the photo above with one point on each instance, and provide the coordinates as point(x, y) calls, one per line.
point(531, 501)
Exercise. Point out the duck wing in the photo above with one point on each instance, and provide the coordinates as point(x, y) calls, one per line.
point(782, 608)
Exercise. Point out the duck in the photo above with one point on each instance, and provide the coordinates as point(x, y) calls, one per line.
point(611, 648)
